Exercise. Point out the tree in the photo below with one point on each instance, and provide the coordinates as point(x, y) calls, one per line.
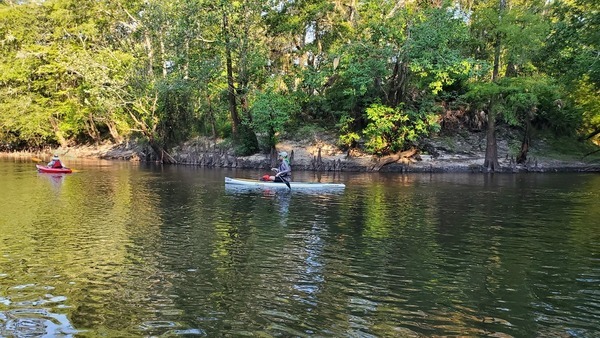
point(405, 62)
point(585, 97)
point(509, 34)
point(246, 61)
point(23, 119)
point(271, 111)
point(90, 71)
point(571, 54)
point(525, 102)
point(52, 68)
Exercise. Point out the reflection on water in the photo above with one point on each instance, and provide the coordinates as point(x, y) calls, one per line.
point(34, 323)
point(125, 250)
point(56, 180)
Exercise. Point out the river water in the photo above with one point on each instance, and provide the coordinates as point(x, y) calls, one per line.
point(125, 249)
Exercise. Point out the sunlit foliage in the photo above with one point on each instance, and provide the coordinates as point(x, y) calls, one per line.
point(378, 73)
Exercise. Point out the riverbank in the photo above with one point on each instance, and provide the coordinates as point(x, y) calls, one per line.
point(457, 153)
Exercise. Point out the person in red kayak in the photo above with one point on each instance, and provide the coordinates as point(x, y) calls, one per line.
point(55, 163)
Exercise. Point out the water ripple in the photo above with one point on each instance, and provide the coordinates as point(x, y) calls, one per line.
point(168, 251)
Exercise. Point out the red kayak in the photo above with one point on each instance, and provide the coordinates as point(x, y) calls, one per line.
point(44, 169)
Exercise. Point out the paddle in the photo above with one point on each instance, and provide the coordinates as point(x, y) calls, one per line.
point(285, 180)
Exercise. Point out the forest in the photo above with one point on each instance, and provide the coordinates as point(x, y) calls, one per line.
point(382, 75)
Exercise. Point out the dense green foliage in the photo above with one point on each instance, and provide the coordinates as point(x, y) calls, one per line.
point(271, 112)
point(392, 129)
point(382, 73)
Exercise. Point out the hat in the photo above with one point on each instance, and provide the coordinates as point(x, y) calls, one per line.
point(55, 157)
point(283, 154)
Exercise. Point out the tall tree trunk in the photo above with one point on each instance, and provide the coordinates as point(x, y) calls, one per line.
point(114, 132)
point(496, 68)
point(522, 157)
point(498, 43)
point(213, 123)
point(160, 151)
point(163, 54)
point(511, 70)
point(150, 51)
point(92, 130)
point(59, 135)
point(491, 149)
point(186, 65)
point(398, 83)
point(235, 119)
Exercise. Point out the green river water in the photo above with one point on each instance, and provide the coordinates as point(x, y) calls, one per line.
point(119, 249)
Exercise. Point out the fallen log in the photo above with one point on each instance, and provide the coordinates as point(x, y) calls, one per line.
point(404, 156)
point(163, 156)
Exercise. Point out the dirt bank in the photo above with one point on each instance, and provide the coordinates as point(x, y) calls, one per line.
point(459, 153)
